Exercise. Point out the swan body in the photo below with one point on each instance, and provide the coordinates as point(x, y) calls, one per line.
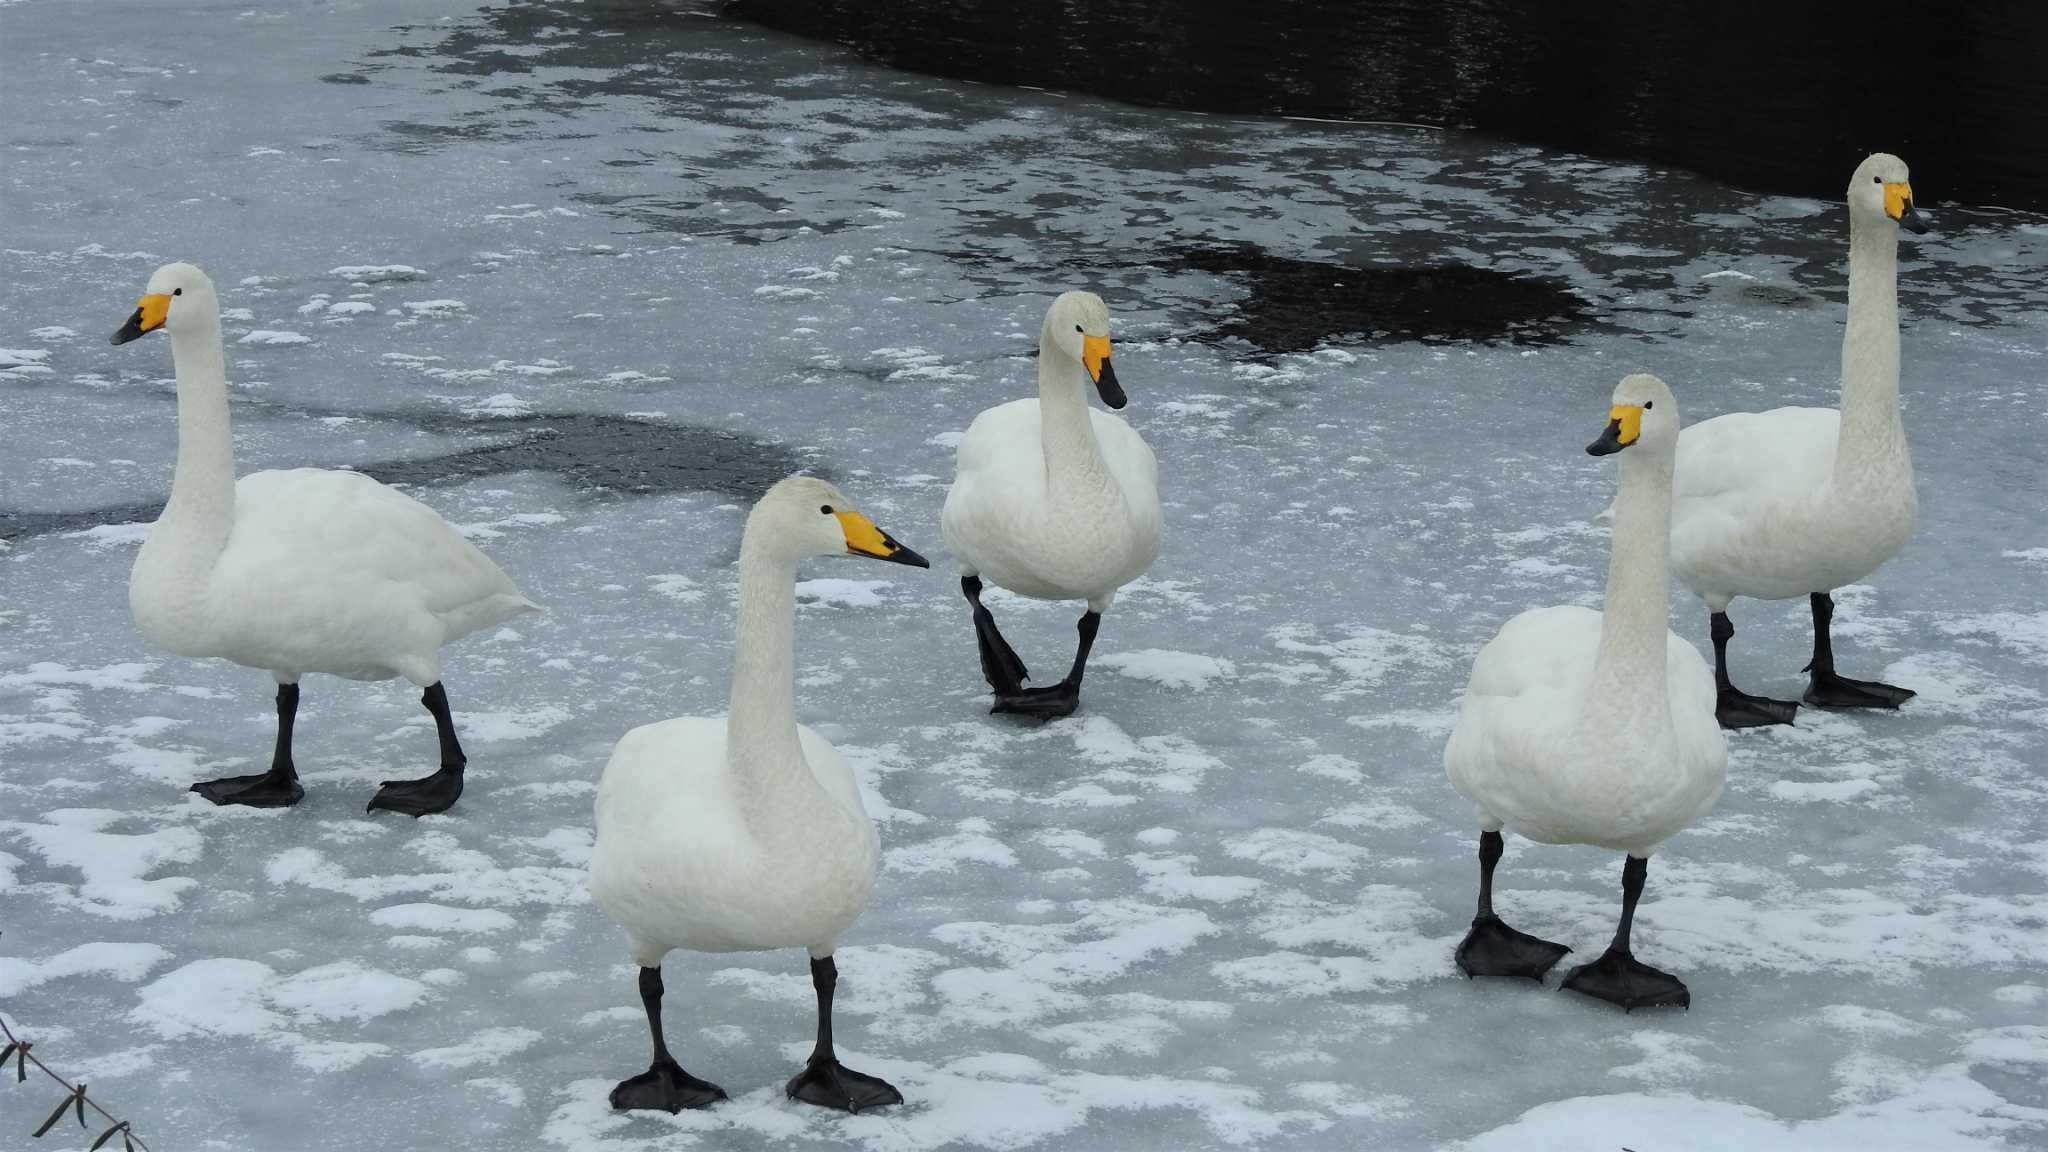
point(678, 865)
point(368, 588)
point(1538, 752)
point(1053, 500)
point(1584, 727)
point(746, 831)
point(1800, 501)
point(1005, 522)
point(299, 570)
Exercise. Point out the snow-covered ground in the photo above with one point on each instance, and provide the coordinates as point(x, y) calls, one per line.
point(1215, 908)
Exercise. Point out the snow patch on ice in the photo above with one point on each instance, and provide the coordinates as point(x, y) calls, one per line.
point(277, 337)
point(1183, 670)
point(441, 918)
point(840, 592)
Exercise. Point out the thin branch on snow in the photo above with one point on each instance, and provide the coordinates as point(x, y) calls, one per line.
point(18, 1050)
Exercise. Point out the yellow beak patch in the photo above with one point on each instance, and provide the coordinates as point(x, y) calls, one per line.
point(155, 307)
point(1094, 350)
point(1897, 198)
point(863, 537)
point(1630, 417)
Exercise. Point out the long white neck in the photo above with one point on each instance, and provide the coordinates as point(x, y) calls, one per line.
point(1872, 443)
point(764, 753)
point(1628, 673)
point(202, 503)
point(1073, 460)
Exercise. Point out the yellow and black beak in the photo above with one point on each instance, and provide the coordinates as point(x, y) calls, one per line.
point(1624, 425)
point(1095, 358)
point(1898, 204)
point(864, 539)
point(149, 316)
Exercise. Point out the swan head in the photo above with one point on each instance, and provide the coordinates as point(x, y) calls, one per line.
point(1881, 190)
point(179, 297)
point(1077, 325)
point(1644, 413)
point(805, 516)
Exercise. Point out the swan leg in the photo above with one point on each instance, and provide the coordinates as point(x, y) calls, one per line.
point(277, 788)
point(1617, 976)
point(1000, 665)
point(429, 794)
point(664, 1085)
point(1058, 699)
point(1827, 690)
point(1492, 948)
point(825, 1081)
point(1734, 708)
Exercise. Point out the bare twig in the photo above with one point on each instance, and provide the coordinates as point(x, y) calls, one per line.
point(77, 1101)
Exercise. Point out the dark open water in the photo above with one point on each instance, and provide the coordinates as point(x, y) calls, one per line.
point(1781, 97)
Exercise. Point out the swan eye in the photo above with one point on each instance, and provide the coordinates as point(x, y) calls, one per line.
point(1077, 327)
point(1648, 404)
point(1877, 179)
point(177, 291)
point(825, 508)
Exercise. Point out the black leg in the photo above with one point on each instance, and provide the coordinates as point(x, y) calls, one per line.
point(277, 788)
point(1000, 665)
point(1827, 690)
point(1735, 709)
point(429, 794)
point(1617, 976)
point(1062, 698)
point(664, 1085)
point(1492, 948)
point(825, 1081)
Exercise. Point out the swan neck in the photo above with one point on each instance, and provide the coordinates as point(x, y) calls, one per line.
point(1629, 669)
point(762, 747)
point(1073, 459)
point(203, 486)
point(1871, 432)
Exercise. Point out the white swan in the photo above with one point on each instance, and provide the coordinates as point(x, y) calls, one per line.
point(1800, 501)
point(1583, 727)
point(1053, 500)
point(298, 571)
point(745, 832)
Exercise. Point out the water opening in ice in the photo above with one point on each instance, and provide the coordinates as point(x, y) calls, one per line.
point(1294, 305)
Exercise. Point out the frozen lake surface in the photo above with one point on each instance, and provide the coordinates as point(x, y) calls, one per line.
point(586, 277)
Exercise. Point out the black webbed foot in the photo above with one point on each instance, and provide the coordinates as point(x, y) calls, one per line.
point(263, 790)
point(422, 797)
point(1741, 710)
point(830, 1084)
point(1828, 690)
point(665, 1086)
point(1047, 703)
point(1619, 978)
point(1492, 948)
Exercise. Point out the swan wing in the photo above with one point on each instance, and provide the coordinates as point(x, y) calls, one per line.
point(668, 826)
point(326, 538)
point(1527, 682)
point(1136, 470)
point(1746, 458)
point(999, 466)
point(836, 777)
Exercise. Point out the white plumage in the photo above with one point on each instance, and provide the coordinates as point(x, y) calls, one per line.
point(300, 570)
point(746, 831)
point(1054, 500)
point(1584, 727)
point(1004, 519)
point(322, 571)
point(1801, 501)
point(1540, 752)
point(679, 865)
